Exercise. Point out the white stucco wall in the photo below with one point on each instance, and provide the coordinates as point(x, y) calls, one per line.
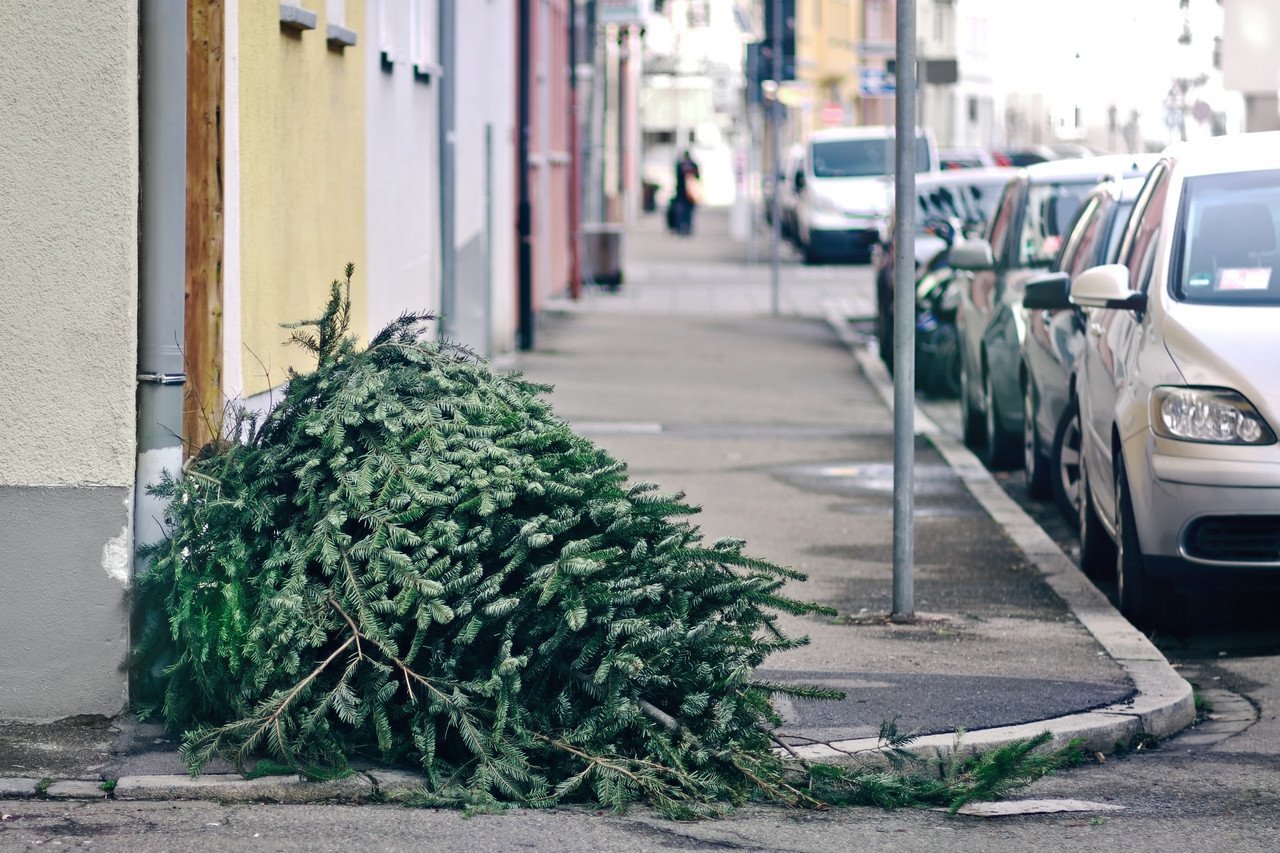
point(486, 81)
point(402, 188)
point(68, 242)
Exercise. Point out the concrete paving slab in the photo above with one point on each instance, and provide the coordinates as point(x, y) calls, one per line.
point(17, 787)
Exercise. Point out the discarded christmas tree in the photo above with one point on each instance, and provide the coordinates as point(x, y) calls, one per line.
point(412, 560)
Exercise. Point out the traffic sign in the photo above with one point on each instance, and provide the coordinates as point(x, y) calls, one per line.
point(875, 83)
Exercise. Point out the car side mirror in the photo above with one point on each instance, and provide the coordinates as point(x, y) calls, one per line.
point(1106, 287)
point(799, 181)
point(972, 255)
point(1048, 292)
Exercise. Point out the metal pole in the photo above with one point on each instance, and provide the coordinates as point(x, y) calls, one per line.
point(575, 163)
point(775, 139)
point(524, 207)
point(904, 316)
point(448, 119)
point(162, 256)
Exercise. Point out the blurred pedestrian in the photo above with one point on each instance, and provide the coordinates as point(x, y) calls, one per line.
point(688, 193)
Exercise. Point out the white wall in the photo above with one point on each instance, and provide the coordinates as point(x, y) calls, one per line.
point(402, 160)
point(485, 80)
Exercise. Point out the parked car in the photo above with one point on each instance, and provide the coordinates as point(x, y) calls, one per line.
point(966, 158)
point(1053, 337)
point(1023, 157)
point(846, 188)
point(949, 205)
point(1178, 387)
point(937, 350)
point(1022, 240)
point(793, 171)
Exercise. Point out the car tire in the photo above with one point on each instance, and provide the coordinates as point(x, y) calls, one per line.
point(810, 256)
point(1035, 463)
point(1000, 451)
point(1097, 551)
point(1064, 462)
point(1145, 601)
point(948, 369)
point(971, 418)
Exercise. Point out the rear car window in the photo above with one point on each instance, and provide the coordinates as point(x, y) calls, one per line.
point(1227, 249)
point(1050, 208)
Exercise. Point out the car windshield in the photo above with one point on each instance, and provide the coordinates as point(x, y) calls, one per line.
point(1050, 209)
point(1227, 240)
point(861, 158)
point(971, 205)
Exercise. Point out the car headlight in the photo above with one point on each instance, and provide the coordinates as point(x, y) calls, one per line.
point(1210, 415)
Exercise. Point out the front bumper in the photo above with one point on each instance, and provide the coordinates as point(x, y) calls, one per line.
point(1204, 517)
point(845, 242)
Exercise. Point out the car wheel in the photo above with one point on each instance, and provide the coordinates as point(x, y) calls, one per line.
point(1034, 463)
point(948, 368)
point(810, 255)
point(1000, 450)
point(970, 417)
point(1097, 551)
point(1065, 462)
point(1146, 602)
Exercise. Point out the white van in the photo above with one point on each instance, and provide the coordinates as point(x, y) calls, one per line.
point(846, 190)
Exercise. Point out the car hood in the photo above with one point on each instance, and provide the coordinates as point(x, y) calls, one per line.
point(860, 195)
point(1228, 346)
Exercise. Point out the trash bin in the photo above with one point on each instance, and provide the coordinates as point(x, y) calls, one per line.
point(602, 253)
point(650, 204)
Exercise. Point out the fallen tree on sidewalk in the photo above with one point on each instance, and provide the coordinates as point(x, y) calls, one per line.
point(412, 560)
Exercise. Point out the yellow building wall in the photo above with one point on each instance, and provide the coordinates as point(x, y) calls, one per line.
point(302, 181)
point(827, 35)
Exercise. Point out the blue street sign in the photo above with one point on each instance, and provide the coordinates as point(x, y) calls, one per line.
point(875, 83)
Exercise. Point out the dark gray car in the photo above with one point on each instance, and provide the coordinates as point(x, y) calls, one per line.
point(1054, 336)
point(1022, 241)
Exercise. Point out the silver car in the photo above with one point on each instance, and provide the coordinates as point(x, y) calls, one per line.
point(1179, 384)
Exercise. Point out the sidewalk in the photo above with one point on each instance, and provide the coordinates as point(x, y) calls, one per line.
point(767, 425)
point(783, 436)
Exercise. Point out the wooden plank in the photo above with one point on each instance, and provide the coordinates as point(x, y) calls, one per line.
point(203, 405)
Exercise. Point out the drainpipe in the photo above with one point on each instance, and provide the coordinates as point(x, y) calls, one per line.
point(524, 208)
point(575, 162)
point(161, 255)
point(448, 123)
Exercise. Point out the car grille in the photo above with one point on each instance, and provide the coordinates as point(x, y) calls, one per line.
point(1236, 539)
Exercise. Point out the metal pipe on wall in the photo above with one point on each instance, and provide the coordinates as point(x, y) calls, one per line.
point(161, 255)
point(775, 142)
point(448, 51)
point(575, 160)
point(524, 206)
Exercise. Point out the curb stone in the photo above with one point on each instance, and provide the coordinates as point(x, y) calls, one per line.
point(12, 788)
point(234, 788)
point(1163, 704)
point(75, 789)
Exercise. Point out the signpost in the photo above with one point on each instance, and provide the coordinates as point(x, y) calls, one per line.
point(904, 315)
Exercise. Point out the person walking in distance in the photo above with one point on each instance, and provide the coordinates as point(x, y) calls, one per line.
point(688, 193)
